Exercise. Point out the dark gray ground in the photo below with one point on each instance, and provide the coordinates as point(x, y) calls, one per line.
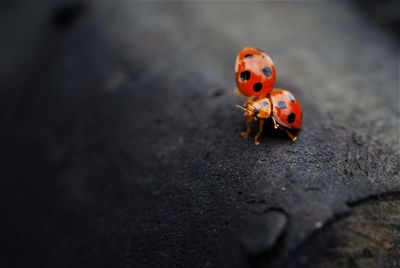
point(121, 146)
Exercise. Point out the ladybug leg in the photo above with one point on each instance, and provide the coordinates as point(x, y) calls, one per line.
point(260, 129)
point(276, 125)
point(246, 132)
point(291, 136)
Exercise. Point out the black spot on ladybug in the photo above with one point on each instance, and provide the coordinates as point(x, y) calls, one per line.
point(257, 87)
point(281, 105)
point(248, 55)
point(245, 75)
point(267, 71)
point(291, 117)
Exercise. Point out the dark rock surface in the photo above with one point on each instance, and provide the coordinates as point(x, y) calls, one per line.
point(121, 146)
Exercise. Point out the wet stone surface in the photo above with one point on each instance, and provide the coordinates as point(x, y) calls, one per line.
point(121, 146)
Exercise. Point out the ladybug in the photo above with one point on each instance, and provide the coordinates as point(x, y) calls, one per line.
point(255, 78)
point(254, 72)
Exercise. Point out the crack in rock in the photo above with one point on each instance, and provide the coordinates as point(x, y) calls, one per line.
point(263, 235)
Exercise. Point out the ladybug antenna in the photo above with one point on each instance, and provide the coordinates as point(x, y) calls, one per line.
point(240, 107)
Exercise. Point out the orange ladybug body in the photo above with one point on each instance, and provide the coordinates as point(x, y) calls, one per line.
point(255, 78)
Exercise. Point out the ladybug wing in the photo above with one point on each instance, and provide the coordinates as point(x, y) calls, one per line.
point(286, 109)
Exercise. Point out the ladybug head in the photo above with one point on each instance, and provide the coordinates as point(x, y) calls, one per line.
point(254, 72)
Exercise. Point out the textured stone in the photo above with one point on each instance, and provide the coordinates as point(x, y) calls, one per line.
point(121, 146)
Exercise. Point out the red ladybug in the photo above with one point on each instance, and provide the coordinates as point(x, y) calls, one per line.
point(254, 72)
point(278, 104)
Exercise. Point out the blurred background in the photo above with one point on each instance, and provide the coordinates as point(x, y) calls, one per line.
point(120, 138)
